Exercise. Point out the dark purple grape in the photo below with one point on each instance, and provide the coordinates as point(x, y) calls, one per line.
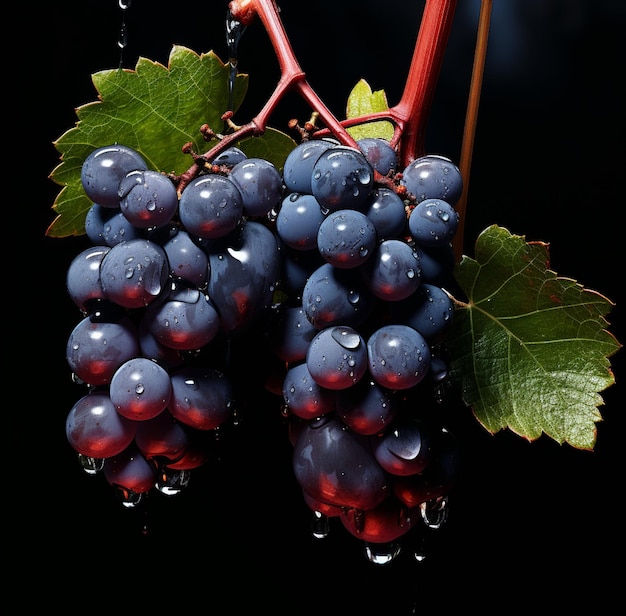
point(304, 396)
point(186, 320)
point(130, 471)
point(118, 229)
point(436, 262)
point(433, 177)
point(163, 438)
point(405, 449)
point(134, 273)
point(229, 157)
point(83, 277)
point(346, 238)
point(342, 178)
point(187, 260)
point(245, 268)
point(140, 389)
point(299, 220)
point(393, 272)
point(379, 154)
point(298, 167)
point(290, 333)
point(96, 218)
point(433, 222)
point(439, 476)
point(96, 349)
point(336, 466)
point(195, 455)
point(399, 356)
point(367, 408)
point(260, 185)
point(386, 522)
point(147, 198)
point(95, 429)
point(333, 296)
point(439, 369)
point(387, 212)
point(151, 348)
point(430, 311)
point(337, 357)
point(201, 397)
point(211, 206)
point(331, 511)
point(103, 170)
point(296, 266)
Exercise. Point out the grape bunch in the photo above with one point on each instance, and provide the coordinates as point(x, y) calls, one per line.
point(365, 266)
point(166, 283)
point(340, 261)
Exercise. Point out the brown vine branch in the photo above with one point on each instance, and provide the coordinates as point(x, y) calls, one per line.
point(469, 131)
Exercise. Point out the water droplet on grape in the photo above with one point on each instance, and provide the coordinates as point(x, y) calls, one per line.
point(365, 178)
point(346, 337)
point(353, 297)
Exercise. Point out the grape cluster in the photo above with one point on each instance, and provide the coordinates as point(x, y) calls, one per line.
point(365, 265)
point(339, 260)
point(164, 285)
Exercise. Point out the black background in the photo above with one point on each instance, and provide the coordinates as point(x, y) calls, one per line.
point(531, 524)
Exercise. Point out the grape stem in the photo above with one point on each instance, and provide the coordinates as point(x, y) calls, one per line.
point(409, 116)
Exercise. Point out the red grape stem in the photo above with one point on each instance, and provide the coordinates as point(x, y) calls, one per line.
point(409, 116)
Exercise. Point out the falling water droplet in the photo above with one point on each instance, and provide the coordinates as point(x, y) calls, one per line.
point(90, 465)
point(128, 498)
point(382, 553)
point(434, 512)
point(320, 526)
point(122, 40)
point(172, 482)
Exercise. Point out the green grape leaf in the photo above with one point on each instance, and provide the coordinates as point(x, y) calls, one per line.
point(363, 101)
point(529, 350)
point(155, 110)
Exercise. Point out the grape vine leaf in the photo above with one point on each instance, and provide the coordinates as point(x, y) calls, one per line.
point(529, 350)
point(362, 101)
point(154, 109)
